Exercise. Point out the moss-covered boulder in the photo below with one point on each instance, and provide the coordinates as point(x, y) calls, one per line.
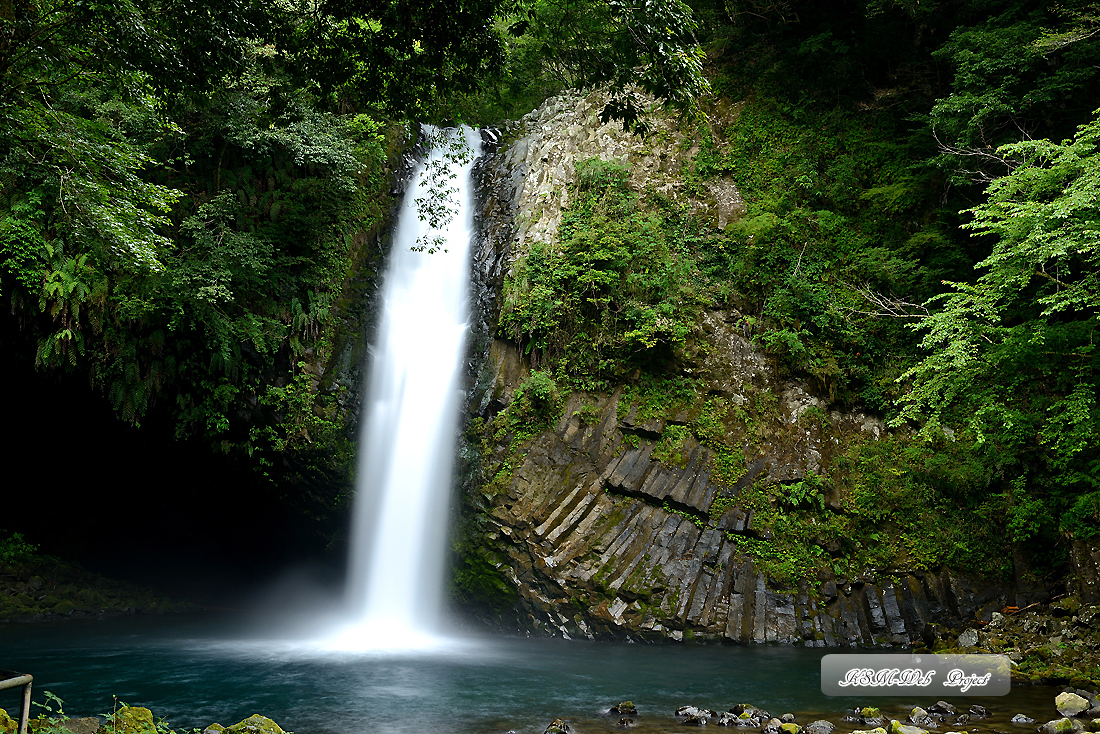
point(790, 728)
point(255, 724)
point(8, 725)
point(1061, 726)
point(1070, 704)
point(64, 607)
point(133, 720)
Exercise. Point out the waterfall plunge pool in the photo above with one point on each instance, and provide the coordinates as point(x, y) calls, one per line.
point(196, 670)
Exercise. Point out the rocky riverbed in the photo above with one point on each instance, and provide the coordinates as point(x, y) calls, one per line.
point(1054, 643)
point(129, 720)
point(1070, 711)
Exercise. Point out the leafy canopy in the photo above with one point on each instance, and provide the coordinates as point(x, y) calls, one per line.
point(1013, 354)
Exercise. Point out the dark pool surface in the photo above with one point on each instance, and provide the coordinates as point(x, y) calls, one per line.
point(197, 670)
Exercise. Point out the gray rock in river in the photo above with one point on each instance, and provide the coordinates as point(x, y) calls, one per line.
point(1070, 704)
point(906, 729)
point(819, 727)
point(1022, 719)
point(690, 711)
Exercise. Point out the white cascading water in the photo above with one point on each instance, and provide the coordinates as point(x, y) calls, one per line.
point(407, 444)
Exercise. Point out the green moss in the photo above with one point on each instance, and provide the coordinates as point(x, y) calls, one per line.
point(133, 720)
point(728, 465)
point(8, 725)
point(500, 482)
point(477, 581)
point(697, 519)
point(657, 397)
point(255, 724)
point(670, 449)
point(720, 505)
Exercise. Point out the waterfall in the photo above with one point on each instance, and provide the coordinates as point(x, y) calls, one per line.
point(407, 445)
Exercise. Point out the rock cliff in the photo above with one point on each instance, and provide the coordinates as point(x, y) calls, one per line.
point(648, 515)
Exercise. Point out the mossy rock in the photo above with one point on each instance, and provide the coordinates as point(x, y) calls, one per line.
point(84, 725)
point(255, 724)
point(8, 725)
point(869, 712)
point(65, 607)
point(876, 730)
point(790, 728)
point(1059, 726)
point(134, 720)
point(1070, 604)
point(896, 727)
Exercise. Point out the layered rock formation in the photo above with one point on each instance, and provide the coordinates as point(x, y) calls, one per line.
point(601, 539)
point(619, 521)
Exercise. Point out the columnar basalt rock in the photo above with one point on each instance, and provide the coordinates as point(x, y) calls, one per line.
point(593, 552)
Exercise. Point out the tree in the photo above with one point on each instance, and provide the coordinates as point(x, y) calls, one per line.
point(622, 44)
point(400, 54)
point(1013, 355)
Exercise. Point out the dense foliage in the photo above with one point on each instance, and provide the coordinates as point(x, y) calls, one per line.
point(620, 290)
point(187, 187)
point(182, 209)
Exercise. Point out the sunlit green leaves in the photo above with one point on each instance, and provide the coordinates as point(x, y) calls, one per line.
point(1015, 350)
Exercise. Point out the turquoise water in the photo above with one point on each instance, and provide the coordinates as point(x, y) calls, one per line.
point(194, 671)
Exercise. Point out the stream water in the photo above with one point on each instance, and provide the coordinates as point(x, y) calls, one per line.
point(197, 670)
